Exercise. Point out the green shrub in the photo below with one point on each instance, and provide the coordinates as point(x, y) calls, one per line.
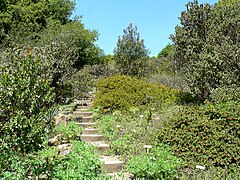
point(205, 135)
point(83, 80)
point(122, 92)
point(226, 94)
point(71, 131)
point(158, 164)
point(26, 99)
point(80, 163)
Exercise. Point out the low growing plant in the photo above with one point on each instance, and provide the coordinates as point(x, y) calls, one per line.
point(69, 132)
point(159, 164)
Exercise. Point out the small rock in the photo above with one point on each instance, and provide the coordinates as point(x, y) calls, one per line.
point(55, 140)
point(64, 149)
point(61, 118)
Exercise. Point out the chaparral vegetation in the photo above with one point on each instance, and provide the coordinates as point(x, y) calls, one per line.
point(174, 116)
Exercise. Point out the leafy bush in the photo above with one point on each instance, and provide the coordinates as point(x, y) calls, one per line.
point(158, 164)
point(210, 173)
point(225, 94)
point(26, 99)
point(71, 131)
point(205, 135)
point(122, 92)
point(80, 163)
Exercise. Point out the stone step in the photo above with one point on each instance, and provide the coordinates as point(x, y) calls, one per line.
point(100, 146)
point(82, 113)
point(90, 131)
point(83, 119)
point(111, 164)
point(91, 137)
point(121, 176)
point(82, 104)
point(86, 124)
point(82, 108)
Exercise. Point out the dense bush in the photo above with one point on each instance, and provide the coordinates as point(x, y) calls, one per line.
point(157, 164)
point(122, 92)
point(225, 94)
point(26, 99)
point(205, 135)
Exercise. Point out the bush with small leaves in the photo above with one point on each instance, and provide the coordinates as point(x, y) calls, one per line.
point(123, 92)
point(207, 135)
point(26, 99)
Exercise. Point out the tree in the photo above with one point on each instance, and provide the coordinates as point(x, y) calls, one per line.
point(130, 52)
point(65, 43)
point(191, 35)
point(25, 18)
point(166, 51)
point(207, 47)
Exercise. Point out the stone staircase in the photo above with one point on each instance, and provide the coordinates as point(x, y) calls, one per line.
point(84, 118)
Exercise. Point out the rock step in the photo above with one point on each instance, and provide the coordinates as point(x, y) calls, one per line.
point(90, 131)
point(111, 164)
point(83, 119)
point(100, 146)
point(121, 176)
point(82, 113)
point(91, 137)
point(86, 124)
point(84, 104)
point(82, 108)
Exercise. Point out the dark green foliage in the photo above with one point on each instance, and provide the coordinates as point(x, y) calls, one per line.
point(26, 99)
point(157, 164)
point(166, 51)
point(122, 92)
point(205, 135)
point(131, 53)
point(25, 18)
point(207, 47)
point(67, 48)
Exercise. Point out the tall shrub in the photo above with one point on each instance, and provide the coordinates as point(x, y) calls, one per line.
point(25, 100)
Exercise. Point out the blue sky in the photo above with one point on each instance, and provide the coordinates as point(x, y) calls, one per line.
point(155, 19)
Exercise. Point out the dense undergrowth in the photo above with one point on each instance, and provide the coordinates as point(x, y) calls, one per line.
point(196, 134)
point(48, 163)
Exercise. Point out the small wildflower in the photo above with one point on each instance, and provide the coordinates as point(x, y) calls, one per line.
point(141, 116)
point(200, 167)
point(118, 126)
